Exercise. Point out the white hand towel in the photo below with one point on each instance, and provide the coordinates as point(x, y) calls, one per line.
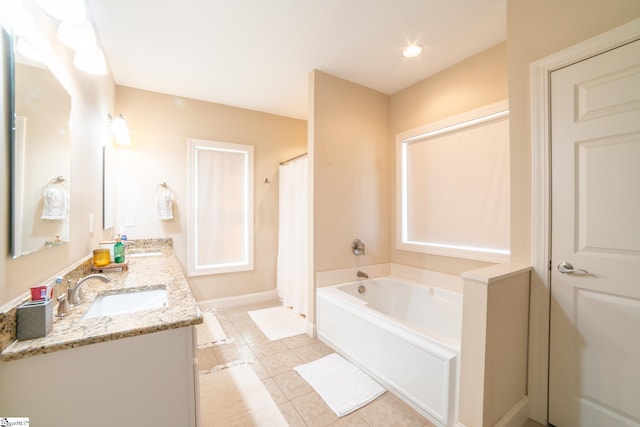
point(164, 202)
point(55, 201)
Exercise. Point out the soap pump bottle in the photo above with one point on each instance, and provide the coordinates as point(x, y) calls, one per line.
point(118, 251)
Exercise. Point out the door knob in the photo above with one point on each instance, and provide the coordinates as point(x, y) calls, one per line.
point(566, 268)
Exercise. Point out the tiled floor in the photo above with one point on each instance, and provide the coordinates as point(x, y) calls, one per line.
point(274, 362)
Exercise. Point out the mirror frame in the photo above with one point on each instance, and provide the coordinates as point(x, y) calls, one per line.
point(8, 99)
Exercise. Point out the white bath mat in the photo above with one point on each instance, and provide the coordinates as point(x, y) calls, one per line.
point(210, 331)
point(236, 397)
point(341, 384)
point(279, 322)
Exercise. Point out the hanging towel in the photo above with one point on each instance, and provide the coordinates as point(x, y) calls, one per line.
point(164, 201)
point(55, 200)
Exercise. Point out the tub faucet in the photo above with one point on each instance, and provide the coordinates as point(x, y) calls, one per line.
point(74, 291)
point(363, 274)
point(357, 247)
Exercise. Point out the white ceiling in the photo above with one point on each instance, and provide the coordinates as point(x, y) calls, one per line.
point(257, 54)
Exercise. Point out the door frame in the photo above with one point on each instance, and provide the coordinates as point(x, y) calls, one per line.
point(539, 321)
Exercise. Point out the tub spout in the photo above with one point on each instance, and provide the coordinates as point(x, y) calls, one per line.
point(363, 274)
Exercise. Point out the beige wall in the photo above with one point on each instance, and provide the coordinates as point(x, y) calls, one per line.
point(92, 98)
point(537, 29)
point(159, 126)
point(349, 148)
point(478, 81)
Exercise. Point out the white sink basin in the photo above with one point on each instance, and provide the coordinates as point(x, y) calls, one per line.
point(127, 302)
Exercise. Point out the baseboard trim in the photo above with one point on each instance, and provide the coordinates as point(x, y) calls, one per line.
point(312, 330)
point(517, 416)
point(238, 300)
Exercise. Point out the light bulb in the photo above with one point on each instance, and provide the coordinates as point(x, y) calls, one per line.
point(120, 131)
point(65, 10)
point(91, 61)
point(412, 51)
point(77, 36)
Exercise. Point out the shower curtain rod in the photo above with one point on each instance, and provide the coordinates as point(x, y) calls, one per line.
point(292, 159)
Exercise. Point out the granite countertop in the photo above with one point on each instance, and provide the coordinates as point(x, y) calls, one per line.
point(144, 271)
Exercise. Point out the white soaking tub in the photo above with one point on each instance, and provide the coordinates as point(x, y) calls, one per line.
point(404, 334)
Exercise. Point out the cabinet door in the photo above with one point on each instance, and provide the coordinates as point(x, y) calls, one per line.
point(147, 380)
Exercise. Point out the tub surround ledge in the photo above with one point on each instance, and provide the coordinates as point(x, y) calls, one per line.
point(73, 331)
point(344, 275)
point(496, 273)
point(493, 363)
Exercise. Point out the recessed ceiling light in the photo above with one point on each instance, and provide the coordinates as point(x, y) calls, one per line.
point(412, 51)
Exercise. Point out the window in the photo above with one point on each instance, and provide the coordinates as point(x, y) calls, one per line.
point(453, 186)
point(220, 222)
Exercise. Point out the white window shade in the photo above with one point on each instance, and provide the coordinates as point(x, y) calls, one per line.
point(454, 187)
point(221, 223)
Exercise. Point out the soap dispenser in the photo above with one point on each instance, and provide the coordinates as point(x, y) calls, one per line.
point(118, 251)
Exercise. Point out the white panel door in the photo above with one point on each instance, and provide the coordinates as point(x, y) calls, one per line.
point(594, 367)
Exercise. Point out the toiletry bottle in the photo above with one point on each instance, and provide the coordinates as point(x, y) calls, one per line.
point(118, 251)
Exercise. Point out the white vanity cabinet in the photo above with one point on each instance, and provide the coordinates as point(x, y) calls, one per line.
point(144, 380)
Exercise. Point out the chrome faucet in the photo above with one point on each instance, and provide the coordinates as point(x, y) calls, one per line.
point(74, 291)
point(363, 274)
point(357, 247)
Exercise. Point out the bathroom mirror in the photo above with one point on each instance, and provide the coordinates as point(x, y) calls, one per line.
point(108, 168)
point(40, 154)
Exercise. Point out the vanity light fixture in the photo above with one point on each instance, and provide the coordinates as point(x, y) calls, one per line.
point(412, 51)
point(65, 10)
point(76, 31)
point(91, 61)
point(78, 36)
point(120, 130)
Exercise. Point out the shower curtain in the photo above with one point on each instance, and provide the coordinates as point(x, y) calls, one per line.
point(293, 264)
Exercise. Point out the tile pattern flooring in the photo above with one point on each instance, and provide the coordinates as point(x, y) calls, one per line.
point(274, 362)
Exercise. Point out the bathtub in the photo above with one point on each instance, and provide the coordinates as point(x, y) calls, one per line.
point(404, 334)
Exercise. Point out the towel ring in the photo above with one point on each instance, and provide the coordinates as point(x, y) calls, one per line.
point(57, 181)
